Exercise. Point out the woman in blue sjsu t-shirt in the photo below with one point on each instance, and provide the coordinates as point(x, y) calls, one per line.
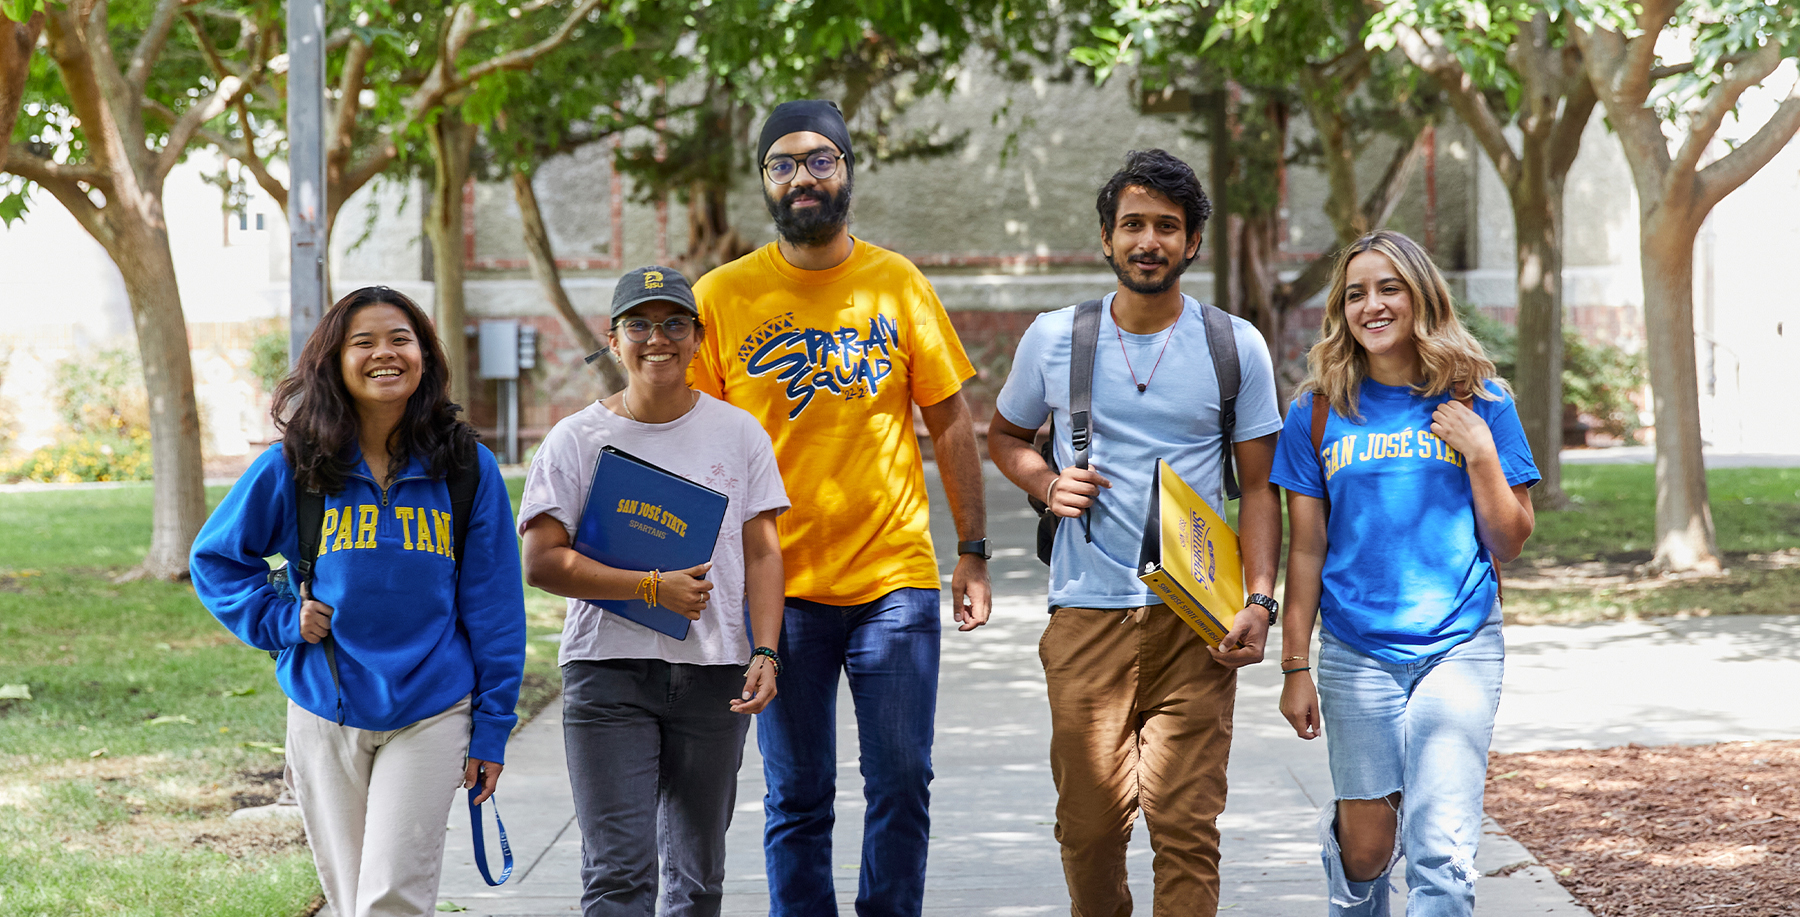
point(1405, 488)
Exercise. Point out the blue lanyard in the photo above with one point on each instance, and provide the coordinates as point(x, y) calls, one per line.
point(481, 860)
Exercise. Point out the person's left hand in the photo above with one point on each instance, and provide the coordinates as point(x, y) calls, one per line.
point(486, 773)
point(971, 581)
point(1243, 645)
point(1463, 430)
point(759, 687)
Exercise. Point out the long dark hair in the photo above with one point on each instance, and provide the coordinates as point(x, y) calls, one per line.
point(318, 421)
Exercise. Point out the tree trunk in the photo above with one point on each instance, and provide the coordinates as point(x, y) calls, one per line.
point(1537, 226)
point(712, 240)
point(143, 257)
point(451, 141)
point(1684, 526)
point(543, 268)
point(1218, 142)
point(16, 43)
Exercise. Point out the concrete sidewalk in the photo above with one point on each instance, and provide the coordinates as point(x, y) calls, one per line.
point(993, 805)
point(993, 851)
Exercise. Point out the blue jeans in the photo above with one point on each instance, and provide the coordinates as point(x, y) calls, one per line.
point(1420, 729)
point(889, 649)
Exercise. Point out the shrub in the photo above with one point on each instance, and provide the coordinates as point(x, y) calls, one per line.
point(1598, 379)
point(102, 393)
point(269, 357)
point(86, 457)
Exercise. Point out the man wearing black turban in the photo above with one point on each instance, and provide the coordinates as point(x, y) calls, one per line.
point(831, 342)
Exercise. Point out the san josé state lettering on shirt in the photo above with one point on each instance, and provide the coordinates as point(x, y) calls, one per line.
point(352, 528)
point(846, 362)
point(1417, 445)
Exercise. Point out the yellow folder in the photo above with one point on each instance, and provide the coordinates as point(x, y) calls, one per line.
point(1190, 557)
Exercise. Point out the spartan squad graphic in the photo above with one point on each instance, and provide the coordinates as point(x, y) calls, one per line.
point(846, 362)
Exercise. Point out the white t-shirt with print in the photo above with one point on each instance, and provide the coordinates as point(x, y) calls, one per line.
point(714, 444)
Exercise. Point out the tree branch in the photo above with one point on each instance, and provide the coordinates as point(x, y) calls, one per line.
point(150, 46)
point(1578, 109)
point(350, 85)
point(1705, 124)
point(1427, 52)
point(1725, 175)
point(1640, 51)
point(230, 89)
point(64, 183)
point(364, 172)
point(523, 57)
point(1385, 195)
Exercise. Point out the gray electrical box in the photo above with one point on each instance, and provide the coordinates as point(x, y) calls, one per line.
point(499, 348)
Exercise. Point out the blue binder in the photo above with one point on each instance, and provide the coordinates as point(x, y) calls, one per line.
point(641, 517)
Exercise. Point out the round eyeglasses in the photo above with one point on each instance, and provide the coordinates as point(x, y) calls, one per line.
point(821, 163)
point(675, 328)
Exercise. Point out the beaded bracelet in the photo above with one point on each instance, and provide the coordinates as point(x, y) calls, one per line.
point(773, 658)
point(1304, 668)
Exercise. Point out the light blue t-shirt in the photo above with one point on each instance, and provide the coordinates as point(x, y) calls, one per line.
point(1406, 576)
point(1176, 418)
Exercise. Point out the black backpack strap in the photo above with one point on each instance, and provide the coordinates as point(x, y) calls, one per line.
point(1083, 339)
point(463, 482)
point(1222, 341)
point(309, 510)
point(1085, 336)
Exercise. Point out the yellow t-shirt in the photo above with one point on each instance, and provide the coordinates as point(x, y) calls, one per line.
point(831, 363)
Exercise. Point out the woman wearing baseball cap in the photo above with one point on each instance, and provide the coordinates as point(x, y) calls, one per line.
point(654, 726)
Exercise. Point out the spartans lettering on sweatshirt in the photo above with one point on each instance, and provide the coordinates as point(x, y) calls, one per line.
point(1406, 445)
point(357, 527)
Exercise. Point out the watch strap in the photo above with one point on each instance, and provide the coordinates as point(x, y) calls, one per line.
point(978, 546)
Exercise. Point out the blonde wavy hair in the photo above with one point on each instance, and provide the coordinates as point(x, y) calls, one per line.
point(1450, 358)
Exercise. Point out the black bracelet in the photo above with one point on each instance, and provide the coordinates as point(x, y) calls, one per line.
point(773, 658)
point(1304, 668)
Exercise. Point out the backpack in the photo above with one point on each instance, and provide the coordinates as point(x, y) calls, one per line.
point(310, 515)
point(1084, 336)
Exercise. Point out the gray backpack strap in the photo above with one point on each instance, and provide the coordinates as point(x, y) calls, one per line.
point(1081, 379)
point(1222, 341)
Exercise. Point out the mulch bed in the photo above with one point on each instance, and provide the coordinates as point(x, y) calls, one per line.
point(1702, 830)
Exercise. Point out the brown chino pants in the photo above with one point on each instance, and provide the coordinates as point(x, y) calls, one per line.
point(1140, 719)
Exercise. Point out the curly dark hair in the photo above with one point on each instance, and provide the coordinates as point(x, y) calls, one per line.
point(1159, 171)
point(317, 419)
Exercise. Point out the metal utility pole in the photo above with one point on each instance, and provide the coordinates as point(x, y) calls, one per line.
point(307, 287)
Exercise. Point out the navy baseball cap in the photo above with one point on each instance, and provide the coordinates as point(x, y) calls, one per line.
point(653, 284)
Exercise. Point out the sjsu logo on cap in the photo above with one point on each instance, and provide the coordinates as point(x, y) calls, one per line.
point(652, 279)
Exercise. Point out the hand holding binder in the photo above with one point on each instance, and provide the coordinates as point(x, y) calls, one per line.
point(685, 592)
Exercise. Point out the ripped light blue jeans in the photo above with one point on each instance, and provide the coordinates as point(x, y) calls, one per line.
point(1420, 729)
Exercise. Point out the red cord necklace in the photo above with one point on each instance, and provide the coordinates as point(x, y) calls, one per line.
point(1141, 386)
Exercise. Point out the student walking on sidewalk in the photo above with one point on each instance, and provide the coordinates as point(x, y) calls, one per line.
point(1140, 706)
point(655, 725)
point(1407, 471)
point(402, 656)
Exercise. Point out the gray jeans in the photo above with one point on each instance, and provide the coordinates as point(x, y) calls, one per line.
point(653, 752)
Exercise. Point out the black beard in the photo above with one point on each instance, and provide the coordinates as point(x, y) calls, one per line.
point(1150, 288)
point(815, 226)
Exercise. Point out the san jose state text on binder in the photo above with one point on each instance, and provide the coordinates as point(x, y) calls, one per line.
point(642, 517)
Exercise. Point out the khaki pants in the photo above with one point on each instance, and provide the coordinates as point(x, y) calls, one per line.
point(1140, 719)
point(375, 805)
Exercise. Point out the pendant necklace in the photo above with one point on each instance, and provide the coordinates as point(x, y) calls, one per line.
point(1141, 386)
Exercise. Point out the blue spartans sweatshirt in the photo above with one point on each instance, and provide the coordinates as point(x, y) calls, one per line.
point(412, 636)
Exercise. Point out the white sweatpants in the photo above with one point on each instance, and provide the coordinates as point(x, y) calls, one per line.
point(375, 805)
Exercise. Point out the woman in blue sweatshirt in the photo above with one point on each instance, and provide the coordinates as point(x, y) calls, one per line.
point(402, 662)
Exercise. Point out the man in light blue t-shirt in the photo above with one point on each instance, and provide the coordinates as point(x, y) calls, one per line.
point(1140, 706)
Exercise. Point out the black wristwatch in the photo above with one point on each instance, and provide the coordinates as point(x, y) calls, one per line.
point(1257, 598)
point(978, 546)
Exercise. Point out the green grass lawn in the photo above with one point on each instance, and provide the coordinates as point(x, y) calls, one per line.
point(148, 724)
